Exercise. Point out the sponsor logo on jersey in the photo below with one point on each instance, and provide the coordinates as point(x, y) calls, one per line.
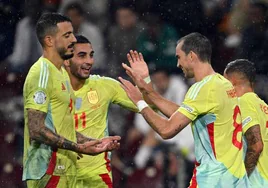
point(93, 97)
point(40, 97)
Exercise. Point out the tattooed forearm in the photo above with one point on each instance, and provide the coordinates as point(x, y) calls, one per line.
point(254, 148)
point(40, 133)
point(81, 139)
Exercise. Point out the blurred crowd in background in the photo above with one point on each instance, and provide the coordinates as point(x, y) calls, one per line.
point(236, 28)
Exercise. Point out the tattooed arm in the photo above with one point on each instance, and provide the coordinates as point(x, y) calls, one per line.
point(81, 139)
point(254, 147)
point(39, 132)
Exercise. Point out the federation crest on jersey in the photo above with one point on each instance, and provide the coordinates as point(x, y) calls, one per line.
point(39, 97)
point(93, 97)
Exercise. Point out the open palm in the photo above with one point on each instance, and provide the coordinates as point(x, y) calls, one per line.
point(138, 64)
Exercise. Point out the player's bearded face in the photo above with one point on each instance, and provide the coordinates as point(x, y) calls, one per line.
point(63, 52)
point(83, 60)
point(188, 73)
point(77, 70)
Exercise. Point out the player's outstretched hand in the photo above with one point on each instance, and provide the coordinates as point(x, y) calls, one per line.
point(110, 143)
point(137, 63)
point(133, 92)
point(95, 147)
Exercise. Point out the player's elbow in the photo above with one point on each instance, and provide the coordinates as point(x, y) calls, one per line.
point(166, 134)
point(257, 147)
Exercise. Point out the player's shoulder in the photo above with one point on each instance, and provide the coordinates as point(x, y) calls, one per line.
point(102, 79)
point(202, 86)
point(38, 68)
point(251, 98)
point(40, 72)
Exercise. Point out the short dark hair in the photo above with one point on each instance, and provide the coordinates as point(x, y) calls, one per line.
point(74, 6)
point(243, 66)
point(197, 43)
point(80, 39)
point(47, 24)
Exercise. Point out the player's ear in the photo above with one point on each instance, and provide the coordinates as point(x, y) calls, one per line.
point(66, 63)
point(48, 41)
point(193, 56)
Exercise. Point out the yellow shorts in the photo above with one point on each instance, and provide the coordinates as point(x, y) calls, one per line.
point(98, 181)
point(51, 181)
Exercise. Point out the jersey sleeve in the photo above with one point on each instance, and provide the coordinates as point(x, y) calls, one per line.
point(37, 90)
point(198, 100)
point(119, 95)
point(248, 113)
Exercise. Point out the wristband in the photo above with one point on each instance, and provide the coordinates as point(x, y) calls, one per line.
point(147, 80)
point(141, 105)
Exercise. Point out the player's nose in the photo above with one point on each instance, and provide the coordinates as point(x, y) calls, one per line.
point(90, 61)
point(73, 39)
point(178, 64)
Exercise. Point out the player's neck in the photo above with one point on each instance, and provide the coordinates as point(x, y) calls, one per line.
point(243, 89)
point(53, 57)
point(202, 70)
point(76, 83)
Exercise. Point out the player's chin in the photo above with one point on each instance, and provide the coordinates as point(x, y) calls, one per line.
point(85, 74)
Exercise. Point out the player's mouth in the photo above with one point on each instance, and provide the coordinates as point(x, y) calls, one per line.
point(71, 47)
point(86, 70)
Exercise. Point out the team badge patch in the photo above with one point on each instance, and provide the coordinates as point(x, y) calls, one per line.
point(40, 97)
point(93, 97)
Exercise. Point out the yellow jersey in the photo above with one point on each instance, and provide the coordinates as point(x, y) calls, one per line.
point(91, 111)
point(212, 106)
point(255, 112)
point(48, 89)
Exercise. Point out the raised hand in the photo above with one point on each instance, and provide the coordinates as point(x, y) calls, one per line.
point(133, 92)
point(138, 64)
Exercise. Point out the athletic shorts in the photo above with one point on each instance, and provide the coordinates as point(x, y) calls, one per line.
point(52, 181)
point(98, 181)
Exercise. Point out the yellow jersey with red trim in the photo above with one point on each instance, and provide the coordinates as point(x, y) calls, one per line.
point(255, 112)
point(48, 89)
point(212, 106)
point(91, 113)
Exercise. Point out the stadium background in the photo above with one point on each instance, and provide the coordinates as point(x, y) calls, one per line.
point(236, 28)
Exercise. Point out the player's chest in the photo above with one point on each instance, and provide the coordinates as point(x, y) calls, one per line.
point(92, 100)
point(62, 92)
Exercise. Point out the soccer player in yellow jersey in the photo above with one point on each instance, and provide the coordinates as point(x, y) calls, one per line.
point(51, 143)
point(93, 95)
point(254, 113)
point(210, 105)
